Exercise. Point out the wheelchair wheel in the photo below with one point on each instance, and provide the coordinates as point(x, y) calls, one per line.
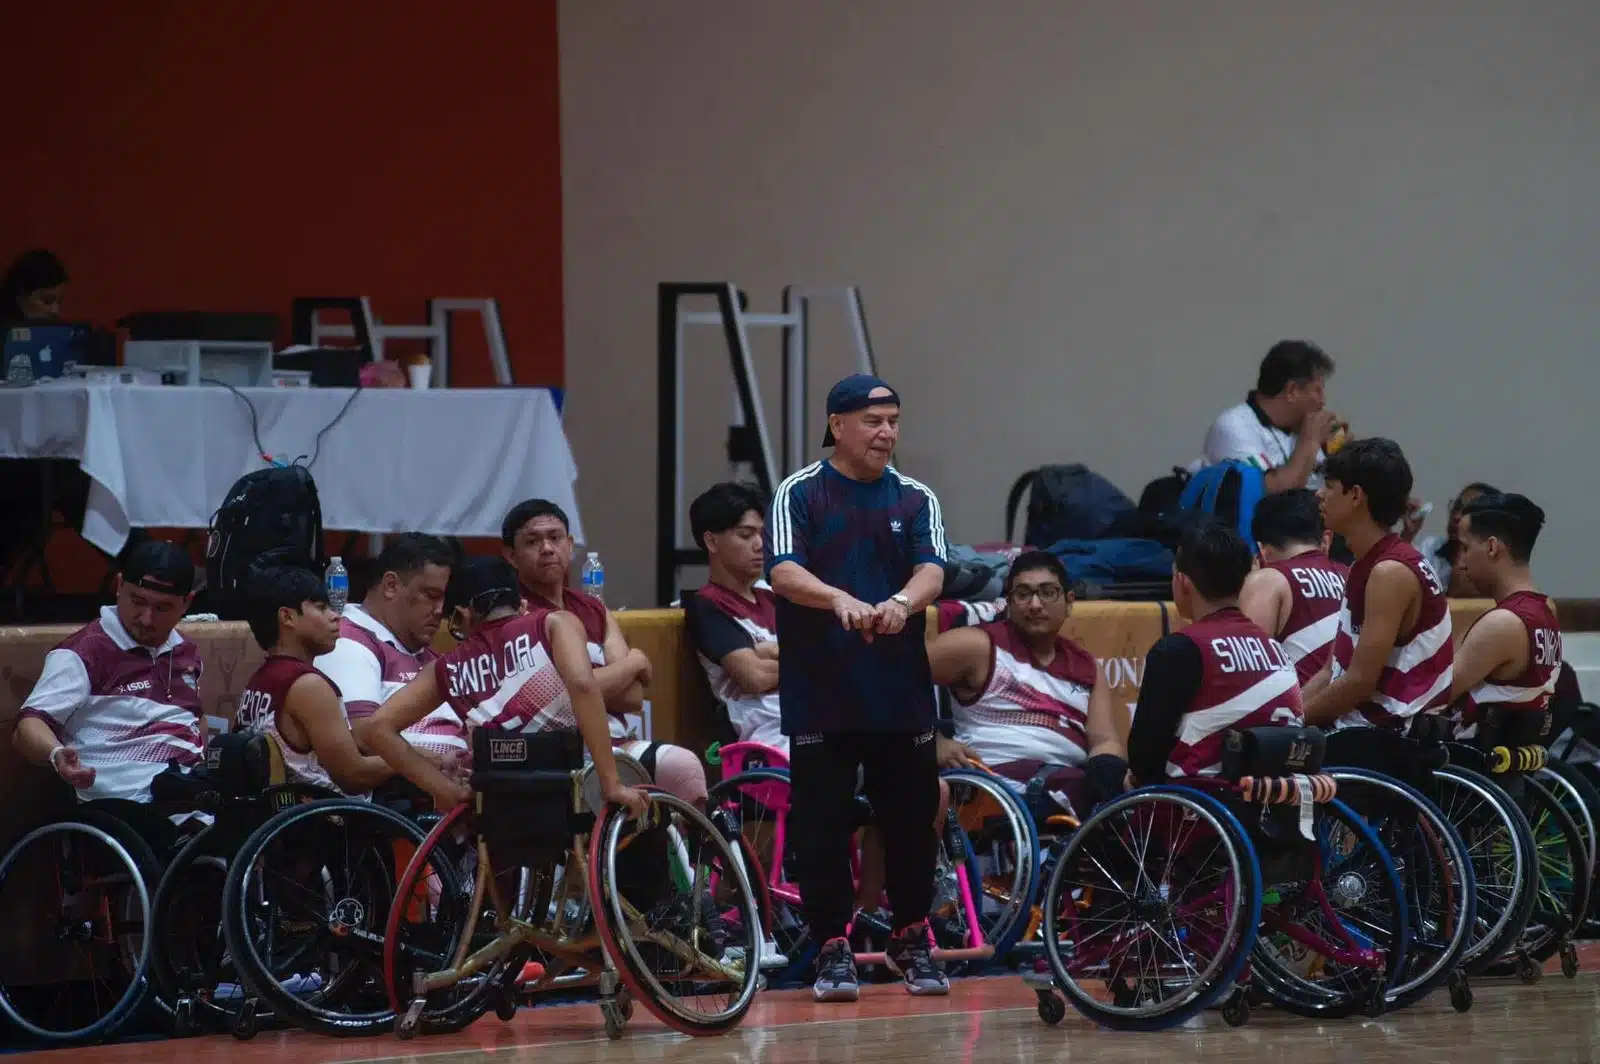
point(1337, 943)
point(1156, 898)
point(1581, 799)
point(304, 907)
point(1561, 878)
point(426, 925)
point(658, 921)
point(1003, 847)
point(1499, 844)
point(755, 805)
point(97, 875)
point(1441, 895)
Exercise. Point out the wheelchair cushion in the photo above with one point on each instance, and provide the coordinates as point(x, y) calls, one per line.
point(1272, 751)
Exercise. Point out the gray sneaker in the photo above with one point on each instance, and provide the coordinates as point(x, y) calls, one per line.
point(836, 972)
point(910, 955)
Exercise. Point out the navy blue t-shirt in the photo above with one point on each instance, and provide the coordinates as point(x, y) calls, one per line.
point(864, 538)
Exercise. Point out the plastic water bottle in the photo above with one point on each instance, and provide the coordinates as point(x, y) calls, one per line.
point(338, 584)
point(594, 576)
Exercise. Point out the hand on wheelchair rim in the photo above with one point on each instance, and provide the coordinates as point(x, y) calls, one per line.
point(634, 799)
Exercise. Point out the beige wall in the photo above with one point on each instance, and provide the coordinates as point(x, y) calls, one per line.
point(1079, 225)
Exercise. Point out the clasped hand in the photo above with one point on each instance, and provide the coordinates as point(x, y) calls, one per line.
point(886, 618)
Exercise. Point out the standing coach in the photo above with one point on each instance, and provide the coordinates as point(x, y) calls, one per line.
point(854, 551)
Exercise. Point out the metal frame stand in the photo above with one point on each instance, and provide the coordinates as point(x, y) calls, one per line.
point(370, 332)
point(750, 450)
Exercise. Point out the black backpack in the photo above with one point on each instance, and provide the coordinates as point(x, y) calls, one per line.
point(1065, 502)
point(269, 517)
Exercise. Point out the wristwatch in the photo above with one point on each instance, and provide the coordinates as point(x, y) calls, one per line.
point(902, 598)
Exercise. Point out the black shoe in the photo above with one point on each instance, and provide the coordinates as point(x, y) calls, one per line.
point(836, 972)
point(910, 955)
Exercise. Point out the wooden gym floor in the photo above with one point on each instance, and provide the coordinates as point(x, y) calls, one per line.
point(984, 1021)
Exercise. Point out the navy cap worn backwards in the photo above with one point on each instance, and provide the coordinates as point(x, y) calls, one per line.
point(855, 393)
point(157, 565)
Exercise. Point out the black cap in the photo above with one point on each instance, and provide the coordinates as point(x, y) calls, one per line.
point(476, 579)
point(855, 393)
point(157, 565)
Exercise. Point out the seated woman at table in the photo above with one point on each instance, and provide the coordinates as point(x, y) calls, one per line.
point(1030, 700)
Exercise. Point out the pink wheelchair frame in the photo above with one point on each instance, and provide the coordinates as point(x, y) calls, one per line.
point(741, 757)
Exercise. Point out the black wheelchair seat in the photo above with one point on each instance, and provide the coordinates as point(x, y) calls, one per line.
point(1272, 751)
point(528, 802)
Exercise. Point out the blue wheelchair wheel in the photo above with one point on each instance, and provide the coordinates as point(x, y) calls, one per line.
point(1153, 902)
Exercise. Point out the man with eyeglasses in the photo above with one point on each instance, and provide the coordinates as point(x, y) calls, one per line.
point(1030, 703)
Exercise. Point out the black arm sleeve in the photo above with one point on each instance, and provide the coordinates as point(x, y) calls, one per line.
point(714, 633)
point(1172, 672)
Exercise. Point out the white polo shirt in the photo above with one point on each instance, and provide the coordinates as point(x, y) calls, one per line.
point(368, 665)
point(1242, 432)
point(127, 708)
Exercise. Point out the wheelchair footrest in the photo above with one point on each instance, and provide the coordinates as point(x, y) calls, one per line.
point(969, 953)
point(1288, 790)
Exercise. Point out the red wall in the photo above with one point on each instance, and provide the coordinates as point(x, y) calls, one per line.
point(180, 154)
point(231, 156)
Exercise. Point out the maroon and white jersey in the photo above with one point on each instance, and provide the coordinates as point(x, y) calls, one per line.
point(1029, 711)
point(1532, 688)
point(1246, 681)
point(1416, 678)
point(368, 665)
point(591, 613)
point(264, 697)
point(503, 677)
point(1316, 594)
point(720, 622)
point(128, 709)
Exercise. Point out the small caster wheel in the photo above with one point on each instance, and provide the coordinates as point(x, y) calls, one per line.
point(407, 1024)
point(244, 1021)
point(1460, 991)
point(616, 1022)
point(505, 1009)
point(1052, 1010)
point(1528, 969)
point(183, 1018)
point(1236, 1010)
point(1569, 959)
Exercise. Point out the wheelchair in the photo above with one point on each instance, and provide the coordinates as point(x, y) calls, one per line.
point(236, 945)
point(1254, 884)
point(986, 866)
point(539, 885)
point(98, 874)
point(1508, 748)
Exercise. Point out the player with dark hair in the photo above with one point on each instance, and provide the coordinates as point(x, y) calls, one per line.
point(1511, 656)
point(1393, 652)
point(288, 698)
point(1221, 671)
point(536, 539)
point(1028, 699)
point(732, 620)
point(1296, 593)
point(387, 638)
point(514, 671)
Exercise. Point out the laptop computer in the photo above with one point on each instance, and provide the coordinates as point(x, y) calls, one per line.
point(45, 350)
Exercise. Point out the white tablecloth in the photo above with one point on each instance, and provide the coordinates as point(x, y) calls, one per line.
point(446, 462)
